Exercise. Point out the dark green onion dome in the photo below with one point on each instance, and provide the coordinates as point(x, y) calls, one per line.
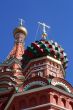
point(43, 48)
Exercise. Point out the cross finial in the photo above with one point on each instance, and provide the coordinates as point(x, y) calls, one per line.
point(21, 21)
point(44, 29)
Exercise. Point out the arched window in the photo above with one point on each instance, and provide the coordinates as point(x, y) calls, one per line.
point(40, 73)
point(71, 105)
point(63, 102)
point(55, 99)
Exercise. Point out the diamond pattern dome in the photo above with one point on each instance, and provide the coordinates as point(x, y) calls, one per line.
point(43, 48)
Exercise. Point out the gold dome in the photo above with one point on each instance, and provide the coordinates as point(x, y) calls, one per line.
point(20, 29)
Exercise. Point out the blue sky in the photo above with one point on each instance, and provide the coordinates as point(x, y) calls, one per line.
point(56, 13)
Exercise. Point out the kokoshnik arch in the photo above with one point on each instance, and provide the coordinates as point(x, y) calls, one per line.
point(33, 78)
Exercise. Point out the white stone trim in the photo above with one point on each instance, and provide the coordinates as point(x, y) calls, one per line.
point(44, 105)
point(37, 59)
point(53, 59)
point(41, 83)
point(63, 85)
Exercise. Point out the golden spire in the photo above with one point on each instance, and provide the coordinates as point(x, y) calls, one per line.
point(20, 28)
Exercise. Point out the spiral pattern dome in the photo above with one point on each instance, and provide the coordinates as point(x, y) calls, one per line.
point(44, 48)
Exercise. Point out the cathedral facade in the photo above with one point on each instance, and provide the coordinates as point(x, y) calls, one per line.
point(33, 78)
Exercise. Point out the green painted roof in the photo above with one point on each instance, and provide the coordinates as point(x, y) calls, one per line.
point(43, 48)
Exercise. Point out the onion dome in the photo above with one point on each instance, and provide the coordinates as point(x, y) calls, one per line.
point(20, 28)
point(44, 48)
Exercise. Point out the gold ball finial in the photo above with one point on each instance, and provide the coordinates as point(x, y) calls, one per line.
point(20, 28)
point(44, 35)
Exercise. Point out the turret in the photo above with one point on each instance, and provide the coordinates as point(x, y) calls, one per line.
point(20, 33)
point(46, 58)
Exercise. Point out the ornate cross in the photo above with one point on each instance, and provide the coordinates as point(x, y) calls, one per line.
point(44, 29)
point(21, 21)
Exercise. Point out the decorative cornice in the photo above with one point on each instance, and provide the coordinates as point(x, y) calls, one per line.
point(42, 58)
point(33, 83)
point(46, 105)
point(62, 84)
point(36, 90)
point(9, 62)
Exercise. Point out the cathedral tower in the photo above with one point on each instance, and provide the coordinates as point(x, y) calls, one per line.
point(37, 77)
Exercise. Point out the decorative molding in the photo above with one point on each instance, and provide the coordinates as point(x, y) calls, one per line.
point(63, 85)
point(42, 58)
point(35, 90)
point(43, 67)
point(9, 62)
point(41, 83)
point(46, 105)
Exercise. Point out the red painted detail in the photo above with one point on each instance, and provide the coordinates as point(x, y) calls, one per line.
point(52, 51)
point(29, 54)
point(37, 47)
